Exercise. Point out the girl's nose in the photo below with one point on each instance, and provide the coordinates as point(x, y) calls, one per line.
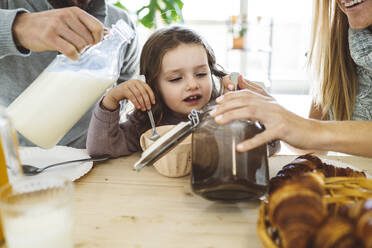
point(192, 84)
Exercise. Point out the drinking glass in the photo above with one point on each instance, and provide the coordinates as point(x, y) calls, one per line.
point(37, 212)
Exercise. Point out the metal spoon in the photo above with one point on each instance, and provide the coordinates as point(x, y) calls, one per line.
point(155, 135)
point(30, 170)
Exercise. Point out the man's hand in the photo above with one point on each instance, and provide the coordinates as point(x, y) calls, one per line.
point(67, 30)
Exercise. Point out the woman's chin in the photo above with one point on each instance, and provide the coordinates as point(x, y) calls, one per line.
point(360, 24)
point(360, 27)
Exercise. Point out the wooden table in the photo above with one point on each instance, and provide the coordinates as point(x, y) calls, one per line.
point(118, 207)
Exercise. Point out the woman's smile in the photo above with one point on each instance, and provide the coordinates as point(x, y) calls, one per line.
point(352, 3)
point(358, 12)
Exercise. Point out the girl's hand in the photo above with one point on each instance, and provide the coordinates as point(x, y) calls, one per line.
point(228, 85)
point(137, 91)
point(279, 123)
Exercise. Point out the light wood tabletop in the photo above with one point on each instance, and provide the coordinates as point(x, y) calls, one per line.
point(116, 206)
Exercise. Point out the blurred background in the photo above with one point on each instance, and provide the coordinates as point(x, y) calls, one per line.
point(265, 40)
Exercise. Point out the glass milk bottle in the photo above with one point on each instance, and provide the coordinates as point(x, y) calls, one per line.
point(221, 173)
point(66, 89)
point(8, 154)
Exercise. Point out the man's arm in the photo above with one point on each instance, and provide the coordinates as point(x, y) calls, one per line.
point(7, 43)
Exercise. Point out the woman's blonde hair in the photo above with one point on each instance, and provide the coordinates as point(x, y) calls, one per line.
point(331, 61)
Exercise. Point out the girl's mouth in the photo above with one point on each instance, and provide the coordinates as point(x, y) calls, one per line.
point(352, 3)
point(192, 99)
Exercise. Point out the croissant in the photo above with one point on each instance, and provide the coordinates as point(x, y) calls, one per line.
point(297, 208)
point(336, 232)
point(361, 214)
point(309, 163)
point(302, 215)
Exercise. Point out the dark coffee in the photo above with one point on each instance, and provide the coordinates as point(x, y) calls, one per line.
point(221, 173)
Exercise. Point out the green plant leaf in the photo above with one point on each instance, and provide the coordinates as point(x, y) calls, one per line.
point(242, 31)
point(148, 20)
point(170, 11)
point(173, 10)
point(118, 4)
point(140, 10)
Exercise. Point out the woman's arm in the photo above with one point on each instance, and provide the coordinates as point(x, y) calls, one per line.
point(351, 137)
point(315, 111)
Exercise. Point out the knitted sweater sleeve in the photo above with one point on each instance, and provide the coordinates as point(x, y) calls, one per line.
point(107, 136)
point(7, 44)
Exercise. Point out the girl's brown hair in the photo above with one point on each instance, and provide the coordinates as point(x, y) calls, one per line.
point(158, 44)
point(331, 60)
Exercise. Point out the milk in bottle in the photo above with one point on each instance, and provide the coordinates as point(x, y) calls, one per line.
point(55, 110)
point(65, 91)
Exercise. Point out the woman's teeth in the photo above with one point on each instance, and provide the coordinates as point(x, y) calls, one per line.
point(352, 3)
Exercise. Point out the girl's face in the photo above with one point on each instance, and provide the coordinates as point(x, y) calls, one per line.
point(359, 14)
point(185, 80)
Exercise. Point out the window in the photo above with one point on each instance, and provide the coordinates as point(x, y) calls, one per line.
point(277, 38)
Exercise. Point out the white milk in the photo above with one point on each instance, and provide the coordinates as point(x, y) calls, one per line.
point(53, 103)
point(51, 229)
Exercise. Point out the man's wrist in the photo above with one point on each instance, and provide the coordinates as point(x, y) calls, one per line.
point(15, 34)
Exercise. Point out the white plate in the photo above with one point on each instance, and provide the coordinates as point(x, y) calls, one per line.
point(40, 158)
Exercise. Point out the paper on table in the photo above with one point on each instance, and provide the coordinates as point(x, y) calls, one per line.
point(40, 158)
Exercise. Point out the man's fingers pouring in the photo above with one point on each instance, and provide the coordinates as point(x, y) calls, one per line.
point(94, 26)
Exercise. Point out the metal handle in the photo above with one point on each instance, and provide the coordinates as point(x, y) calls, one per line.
point(102, 158)
point(149, 113)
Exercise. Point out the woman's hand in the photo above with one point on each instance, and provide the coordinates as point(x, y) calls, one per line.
point(136, 91)
point(279, 123)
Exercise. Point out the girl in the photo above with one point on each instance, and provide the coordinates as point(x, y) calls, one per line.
point(178, 65)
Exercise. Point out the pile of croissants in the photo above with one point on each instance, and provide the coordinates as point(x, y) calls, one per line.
point(309, 206)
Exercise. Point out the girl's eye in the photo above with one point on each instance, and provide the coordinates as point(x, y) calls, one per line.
point(175, 79)
point(200, 75)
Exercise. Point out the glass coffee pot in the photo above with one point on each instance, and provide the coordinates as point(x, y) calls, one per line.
point(219, 172)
